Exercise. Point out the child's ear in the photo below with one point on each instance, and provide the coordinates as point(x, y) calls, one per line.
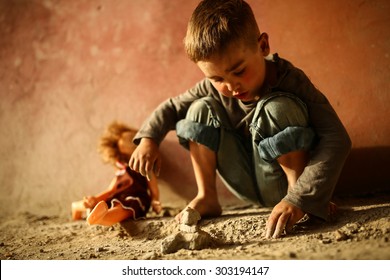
point(264, 44)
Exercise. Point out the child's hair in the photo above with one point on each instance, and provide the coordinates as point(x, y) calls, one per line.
point(215, 24)
point(108, 145)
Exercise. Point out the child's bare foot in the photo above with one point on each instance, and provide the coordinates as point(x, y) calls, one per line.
point(206, 208)
point(97, 213)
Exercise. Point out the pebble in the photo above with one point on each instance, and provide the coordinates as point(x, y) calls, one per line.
point(326, 241)
point(190, 217)
point(99, 249)
point(340, 236)
point(353, 227)
point(150, 256)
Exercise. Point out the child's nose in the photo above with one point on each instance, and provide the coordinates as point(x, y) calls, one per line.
point(232, 85)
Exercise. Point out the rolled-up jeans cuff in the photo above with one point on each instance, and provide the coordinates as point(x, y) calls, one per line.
point(188, 130)
point(288, 140)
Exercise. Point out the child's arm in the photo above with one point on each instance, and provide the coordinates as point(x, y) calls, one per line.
point(316, 184)
point(284, 215)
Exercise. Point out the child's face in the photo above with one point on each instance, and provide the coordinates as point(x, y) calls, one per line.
point(240, 71)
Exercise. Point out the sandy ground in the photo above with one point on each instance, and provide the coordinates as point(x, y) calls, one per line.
point(361, 230)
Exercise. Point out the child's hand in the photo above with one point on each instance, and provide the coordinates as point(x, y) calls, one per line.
point(146, 158)
point(283, 217)
point(90, 201)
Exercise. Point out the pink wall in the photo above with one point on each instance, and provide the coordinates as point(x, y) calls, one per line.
point(68, 68)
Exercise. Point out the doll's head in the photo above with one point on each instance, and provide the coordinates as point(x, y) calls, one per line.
point(116, 143)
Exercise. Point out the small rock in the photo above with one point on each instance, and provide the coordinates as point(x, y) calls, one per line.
point(190, 241)
point(186, 228)
point(326, 241)
point(319, 236)
point(189, 237)
point(150, 256)
point(353, 227)
point(190, 217)
point(172, 244)
point(340, 236)
point(99, 249)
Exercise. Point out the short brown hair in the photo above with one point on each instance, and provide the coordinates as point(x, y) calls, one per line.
point(108, 145)
point(215, 24)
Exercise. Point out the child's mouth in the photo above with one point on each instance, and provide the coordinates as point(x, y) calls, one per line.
point(241, 95)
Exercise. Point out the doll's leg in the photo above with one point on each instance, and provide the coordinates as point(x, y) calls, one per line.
point(79, 211)
point(97, 213)
point(101, 215)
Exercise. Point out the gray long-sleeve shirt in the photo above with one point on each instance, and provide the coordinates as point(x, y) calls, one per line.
point(315, 186)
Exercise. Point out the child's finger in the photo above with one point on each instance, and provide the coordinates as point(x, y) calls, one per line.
point(148, 175)
point(157, 167)
point(281, 225)
point(271, 224)
point(148, 170)
point(143, 169)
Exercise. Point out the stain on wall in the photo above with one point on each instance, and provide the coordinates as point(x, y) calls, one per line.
point(69, 68)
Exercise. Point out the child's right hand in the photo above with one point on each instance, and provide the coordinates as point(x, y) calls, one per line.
point(146, 158)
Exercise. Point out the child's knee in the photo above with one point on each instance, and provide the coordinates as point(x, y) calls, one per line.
point(201, 111)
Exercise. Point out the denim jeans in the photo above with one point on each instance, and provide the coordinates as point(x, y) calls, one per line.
point(248, 165)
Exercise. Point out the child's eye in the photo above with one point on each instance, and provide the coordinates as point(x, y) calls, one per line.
point(239, 73)
point(217, 80)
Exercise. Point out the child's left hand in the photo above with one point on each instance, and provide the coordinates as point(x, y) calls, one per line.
point(283, 217)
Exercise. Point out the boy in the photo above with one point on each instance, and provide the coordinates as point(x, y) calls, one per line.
point(256, 119)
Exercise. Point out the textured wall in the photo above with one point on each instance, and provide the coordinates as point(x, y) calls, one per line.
point(68, 68)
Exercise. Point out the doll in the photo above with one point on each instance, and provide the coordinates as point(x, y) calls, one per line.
point(129, 195)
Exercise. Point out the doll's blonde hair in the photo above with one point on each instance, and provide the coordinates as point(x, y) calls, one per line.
point(216, 24)
point(108, 145)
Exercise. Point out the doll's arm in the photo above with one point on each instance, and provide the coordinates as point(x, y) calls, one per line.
point(118, 184)
point(154, 193)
